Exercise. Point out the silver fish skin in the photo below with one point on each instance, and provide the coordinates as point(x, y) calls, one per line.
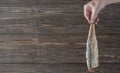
point(92, 49)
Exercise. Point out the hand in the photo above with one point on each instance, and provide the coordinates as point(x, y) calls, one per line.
point(92, 9)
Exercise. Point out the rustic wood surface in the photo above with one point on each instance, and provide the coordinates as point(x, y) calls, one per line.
point(49, 36)
point(56, 68)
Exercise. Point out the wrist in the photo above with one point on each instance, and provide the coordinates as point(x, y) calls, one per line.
point(107, 2)
point(103, 2)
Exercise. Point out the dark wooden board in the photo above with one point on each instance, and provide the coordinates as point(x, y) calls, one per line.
point(50, 52)
point(27, 2)
point(57, 68)
point(49, 36)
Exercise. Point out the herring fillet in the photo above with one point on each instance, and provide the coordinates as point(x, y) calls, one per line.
point(92, 49)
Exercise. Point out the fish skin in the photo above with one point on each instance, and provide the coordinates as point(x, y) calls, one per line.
point(92, 49)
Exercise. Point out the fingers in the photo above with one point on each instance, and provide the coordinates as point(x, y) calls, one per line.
point(96, 20)
point(91, 11)
point(90, 16)
point(87, 13)
point(94, 15)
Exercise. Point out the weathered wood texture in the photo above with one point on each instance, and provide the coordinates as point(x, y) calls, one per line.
point(37, 35)
point(56, 68)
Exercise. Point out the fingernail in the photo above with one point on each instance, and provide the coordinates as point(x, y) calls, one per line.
point(92, 21)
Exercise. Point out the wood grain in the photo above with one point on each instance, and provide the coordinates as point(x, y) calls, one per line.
point(56, 68)
point(49, 36)
point(52, 53)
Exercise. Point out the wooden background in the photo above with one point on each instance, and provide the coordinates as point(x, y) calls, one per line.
point(49, 36)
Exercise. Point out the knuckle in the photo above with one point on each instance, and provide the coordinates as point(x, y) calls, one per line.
point(85, 6)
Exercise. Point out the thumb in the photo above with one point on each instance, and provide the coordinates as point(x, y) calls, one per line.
point(94, 15)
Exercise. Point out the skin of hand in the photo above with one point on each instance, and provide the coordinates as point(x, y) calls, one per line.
point(92, 9)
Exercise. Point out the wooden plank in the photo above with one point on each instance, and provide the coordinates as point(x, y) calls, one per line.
point(73, 19)
point(51, 53)
point(45, 10)
point(56, 20)
point(67, 11)
point(53, 31)
point(37, 9)
point(56, 68)
point(23, 27)
point(42, 39)
point(68, 39)
point(18, 68)
point(44, 1)
point(42, 10)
